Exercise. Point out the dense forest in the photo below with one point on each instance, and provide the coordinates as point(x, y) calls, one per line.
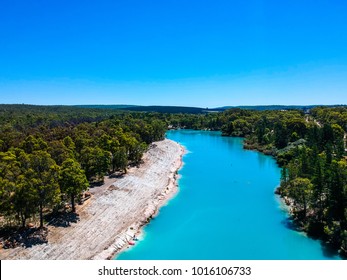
point(49, 155)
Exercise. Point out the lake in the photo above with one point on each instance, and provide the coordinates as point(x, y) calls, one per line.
point(225, 208)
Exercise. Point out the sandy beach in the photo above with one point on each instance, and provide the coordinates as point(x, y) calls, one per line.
point(115, 213)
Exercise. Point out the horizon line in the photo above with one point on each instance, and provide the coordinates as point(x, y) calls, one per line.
point(153, 105)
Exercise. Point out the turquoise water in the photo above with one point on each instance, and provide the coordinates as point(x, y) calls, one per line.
point(225, 208)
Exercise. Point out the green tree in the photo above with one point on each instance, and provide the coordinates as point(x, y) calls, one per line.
point(260, 131)
point(9, 174)
point(228, 129)
point(59, 152)
point(339, 146)
point(119, 159)
point(72, 180)
point(337, 180)
point(95, 162)
point(319, 188)
point(281, 137)
point(42, 176)
point(69, 143)
point(297, 126)
point(300, 190)
point(159, 129)
point(137, 151)
point(25, 199)
point(32, 144)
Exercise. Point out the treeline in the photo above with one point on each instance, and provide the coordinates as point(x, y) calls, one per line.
point(314, 178)
point(336, 115)
point(50, 155)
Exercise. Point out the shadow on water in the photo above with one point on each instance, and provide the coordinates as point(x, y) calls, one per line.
point(262, 160)
point(63, 219)
point(290, 224)
point(328, 251)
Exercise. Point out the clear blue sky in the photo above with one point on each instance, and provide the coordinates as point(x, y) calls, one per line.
point(193, 53)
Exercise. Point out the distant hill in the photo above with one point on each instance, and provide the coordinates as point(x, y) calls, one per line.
point(117, 106)
point(198, 110)
point(276, 107)
point(171, 109)
point(159, 109)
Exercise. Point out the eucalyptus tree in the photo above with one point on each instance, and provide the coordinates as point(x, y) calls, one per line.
point(42, 177)
point(95, 162)
point(72, 180)
point(119, 159)
point(301, 191)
